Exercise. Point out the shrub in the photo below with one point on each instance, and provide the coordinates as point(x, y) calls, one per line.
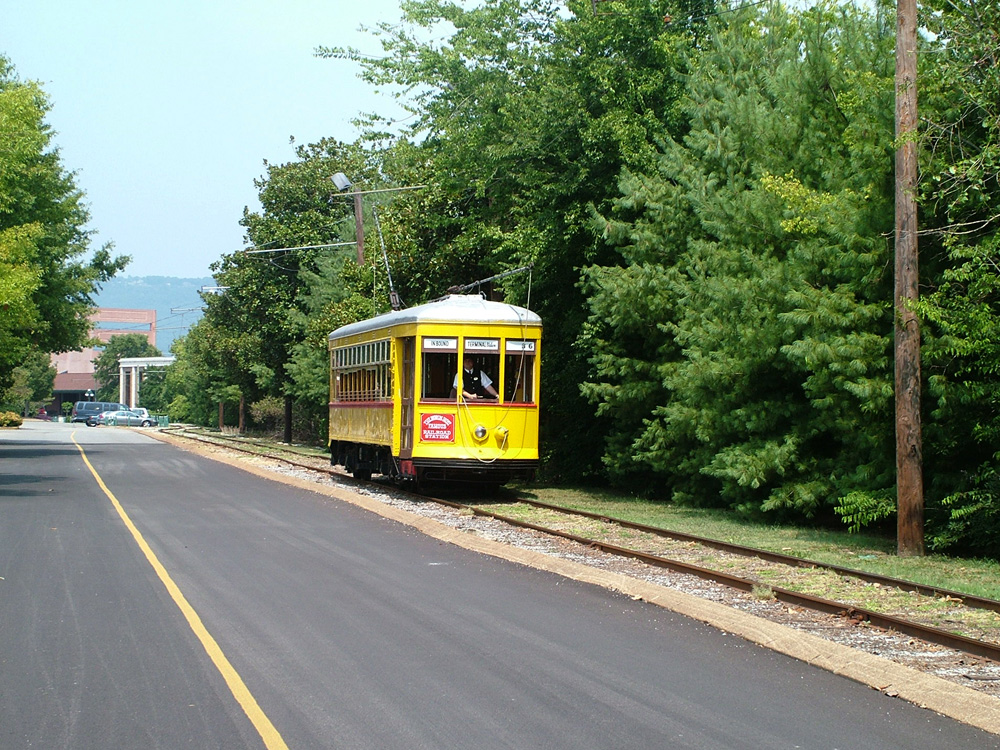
point(268, 414)
point(10, 419)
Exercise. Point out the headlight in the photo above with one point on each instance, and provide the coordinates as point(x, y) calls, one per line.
point(480, 432)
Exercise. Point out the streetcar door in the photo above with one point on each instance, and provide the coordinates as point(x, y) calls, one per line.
point(406, 377)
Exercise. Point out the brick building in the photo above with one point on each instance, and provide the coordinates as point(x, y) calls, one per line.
point(75, 370)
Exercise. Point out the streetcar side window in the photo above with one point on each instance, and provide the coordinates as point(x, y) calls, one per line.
point(362, 372)
point(438, 365)
point(519, 372)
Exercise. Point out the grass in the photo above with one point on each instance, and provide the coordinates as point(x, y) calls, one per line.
point(859, 551)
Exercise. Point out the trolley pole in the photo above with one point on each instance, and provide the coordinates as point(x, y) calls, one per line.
point(909, 447)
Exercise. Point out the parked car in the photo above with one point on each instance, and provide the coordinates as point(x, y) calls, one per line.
point(121, 417)
point(95, 419)
point(83, 410)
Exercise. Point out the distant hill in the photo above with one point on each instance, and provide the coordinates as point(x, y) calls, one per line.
point(165, 294)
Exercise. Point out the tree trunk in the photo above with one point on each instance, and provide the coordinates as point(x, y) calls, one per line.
point(288, 419)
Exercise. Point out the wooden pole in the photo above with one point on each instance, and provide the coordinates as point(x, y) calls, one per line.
point(909, 449)
point(359, 228)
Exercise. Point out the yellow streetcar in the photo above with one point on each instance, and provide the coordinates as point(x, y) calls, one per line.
point(441, 392)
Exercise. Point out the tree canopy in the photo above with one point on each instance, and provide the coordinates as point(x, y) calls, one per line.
point(759, 249)
point(46, 288)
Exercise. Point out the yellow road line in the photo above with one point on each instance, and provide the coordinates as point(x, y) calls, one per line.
point(272, 740)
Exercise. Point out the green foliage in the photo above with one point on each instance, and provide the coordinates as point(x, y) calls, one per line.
point(627, 353)
point(763, 381)
point(47, 292)
point(707, 202)
point(268, 413)
point(281, 340)
point(522, 118)
point(31, 383)
point(337, 293)
point(264, 336)
point(10, 419)
point(860, 510)
point(972, 523)
point(960, 190)
point(258, 319)
point(195, 382)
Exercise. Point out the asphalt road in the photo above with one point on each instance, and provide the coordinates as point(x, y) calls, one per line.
point(337, 628)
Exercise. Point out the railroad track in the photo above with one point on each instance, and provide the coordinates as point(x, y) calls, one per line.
point(982, 647)
point(932, 634)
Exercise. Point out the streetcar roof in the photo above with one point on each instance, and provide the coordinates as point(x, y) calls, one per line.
point(455, 308)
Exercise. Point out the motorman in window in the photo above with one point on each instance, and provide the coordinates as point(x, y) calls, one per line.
point(476, 384)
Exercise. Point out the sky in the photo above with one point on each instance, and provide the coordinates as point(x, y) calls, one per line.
point(166, 111)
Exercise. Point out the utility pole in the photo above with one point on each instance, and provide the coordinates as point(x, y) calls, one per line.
point(343, 182)
point(909, 447)
point(359, 224)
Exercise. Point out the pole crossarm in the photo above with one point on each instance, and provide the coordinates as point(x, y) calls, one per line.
point(382, 190)
point(300, 247)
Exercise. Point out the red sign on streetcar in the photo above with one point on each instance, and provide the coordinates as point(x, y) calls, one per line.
point(437, 428)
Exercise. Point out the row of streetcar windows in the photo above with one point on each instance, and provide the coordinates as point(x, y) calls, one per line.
point(362, 372)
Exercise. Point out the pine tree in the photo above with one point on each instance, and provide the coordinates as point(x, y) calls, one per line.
point(770, 220)
point(960, 100)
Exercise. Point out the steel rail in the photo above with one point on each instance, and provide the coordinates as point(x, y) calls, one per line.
point(887, 622)
point(927, 633)
point(970, 600)
point(235, 445)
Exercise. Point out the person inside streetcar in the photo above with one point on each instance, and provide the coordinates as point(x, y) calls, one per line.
point(476, 384)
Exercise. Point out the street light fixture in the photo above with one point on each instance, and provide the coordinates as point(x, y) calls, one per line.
point(341, 181)
point(89, 394)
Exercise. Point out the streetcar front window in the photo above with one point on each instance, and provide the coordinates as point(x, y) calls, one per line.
point(483, 356)
point(438, 374)
point(438, 365)
point(519, 372)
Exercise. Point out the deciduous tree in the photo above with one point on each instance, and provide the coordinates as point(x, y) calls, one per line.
point(960, 195)
point(32, 384)
point(46, 290)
